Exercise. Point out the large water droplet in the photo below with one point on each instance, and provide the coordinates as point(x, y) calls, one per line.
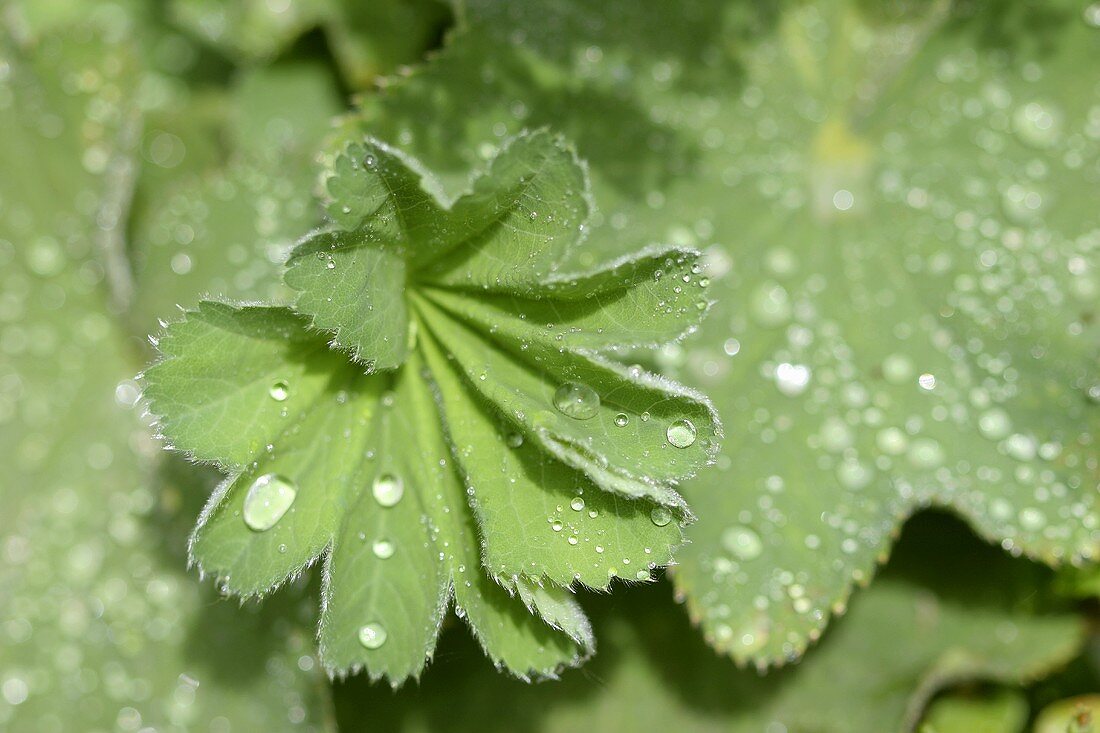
point(577, 504)
point(268, 499)
point(660, 516)
point(372, 636)
point(576, 400)
point(681, 433)
point(383, 549)
point(279, 391)
point(742, 542)
point(388, 489)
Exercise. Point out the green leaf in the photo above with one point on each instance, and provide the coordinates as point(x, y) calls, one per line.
point(103, 628)
point(251, 30)
point(455, 471)
point(1072, 715)
point(915, 633)
point(224, 222)
point(1003, 711)
point(372, 39)
point(898, 208)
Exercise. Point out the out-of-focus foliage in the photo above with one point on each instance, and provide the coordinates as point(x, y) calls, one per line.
point(897, 202)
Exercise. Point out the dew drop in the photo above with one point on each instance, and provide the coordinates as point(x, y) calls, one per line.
point(577, 504)
point(853, 475)
point(268, 499)
point(1032, 519)
point(372, 636)
point(514, 440)
point(576, 400)
point(681, 434)
point(279, 391)
point(660, 516)
point(621, 420)
point(742, 542)
point(388, 489)
point(994, 424)
point(792, 379)
point(927, 381)
point(383, 549)
point(771, 304)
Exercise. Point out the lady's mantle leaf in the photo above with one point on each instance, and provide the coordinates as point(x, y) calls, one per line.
point(499, 453)
point(900, 204)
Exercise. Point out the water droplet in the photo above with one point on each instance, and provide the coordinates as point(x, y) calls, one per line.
point(268, 499)
point(514, 440)
point(577, 504)
point(279, 391)
point(681, 433)
point(621, 420)
point(372, 636)
point(388, 489)
point(853, 475)
point(1092, 15)
point(770, 304)
point(1032, 519)
point(742, 542)
point(660, 516)
point(896, 368)
point(576, 400)
point(994, 424)
point(1037, 124)
point(369, 161)
point(383, 549)
point(927, 381)
point(792, 379)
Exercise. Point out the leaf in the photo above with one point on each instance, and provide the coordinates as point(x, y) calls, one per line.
point(914, 633)
point(368, 40)
point(227, 228)
point(1003, 711)
point(103, 629)
point(372, 39)
point(897, 207)
point(1072, 715)
point(252, 30)
point(445, 471)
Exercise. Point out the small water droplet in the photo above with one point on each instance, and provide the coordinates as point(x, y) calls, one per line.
point(514, 440)
point(681, 433)
point(927, 381)
point(388, 489)
point(268, 499)
point(372, 636)
point(994, 424)
point(621, 420)
point(279, 391)
point(383, 549)
point(577, 504)
point(660, 515)
point(742, 542)
point(576, 400)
